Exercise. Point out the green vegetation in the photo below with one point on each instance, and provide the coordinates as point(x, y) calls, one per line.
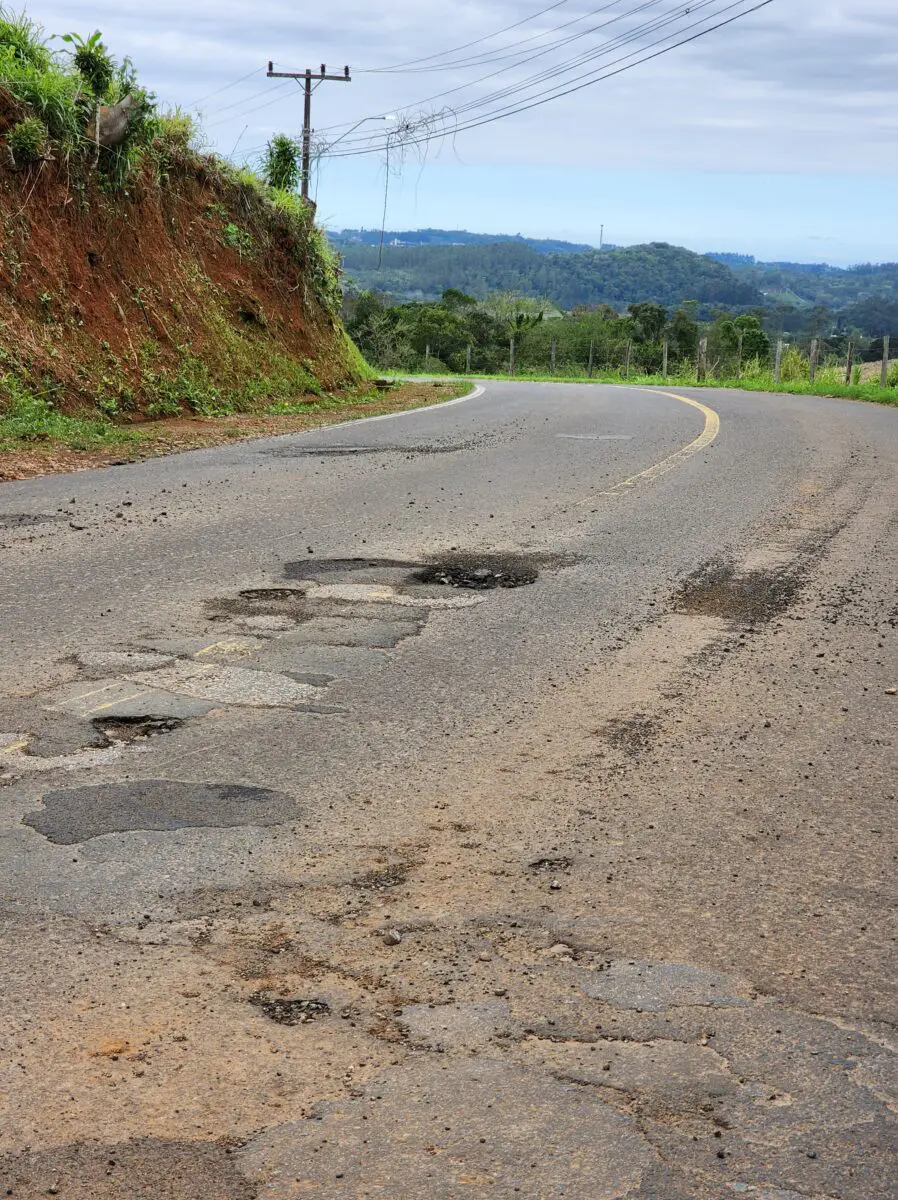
point(657, 272)
point(34, 419)
point(797, 300)
point(459, 334)
point(281, 168)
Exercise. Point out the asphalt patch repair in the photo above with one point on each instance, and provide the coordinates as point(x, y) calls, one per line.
point(752, 598)
point(75, 815)
point(139, 1169)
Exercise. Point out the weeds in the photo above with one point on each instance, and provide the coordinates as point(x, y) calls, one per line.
point(29, 141)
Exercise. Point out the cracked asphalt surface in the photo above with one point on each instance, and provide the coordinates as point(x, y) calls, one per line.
point(493, 800)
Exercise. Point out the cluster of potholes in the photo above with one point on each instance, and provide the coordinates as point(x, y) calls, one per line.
point(278, 646)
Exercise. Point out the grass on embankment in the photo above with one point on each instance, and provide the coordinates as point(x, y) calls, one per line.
point(870, 392)
point(36, 439)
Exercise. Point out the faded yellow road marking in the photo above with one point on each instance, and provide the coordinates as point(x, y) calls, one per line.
point(705, 438)
point(14, 746)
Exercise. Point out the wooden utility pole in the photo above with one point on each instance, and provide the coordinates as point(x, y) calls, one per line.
point(884, 377)
point(592, 350)
point(702, 365)
point(813, 359)
point(849, 364)
point(308, 77)
point(664, 354)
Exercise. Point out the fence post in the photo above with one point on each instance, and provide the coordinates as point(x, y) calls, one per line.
point(511, 356)
point(812, 361)
point(552, 355)
point(468, 360)
point(629, 352)
point(739, 338)
point(778, 361)
point(426, 354)
point(884, 377)
point(664, 354)
point(702, 364)
point(592, 350)
point(849, 363)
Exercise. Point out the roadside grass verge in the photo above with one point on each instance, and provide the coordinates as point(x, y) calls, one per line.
point(869, 392)
point(37, 440)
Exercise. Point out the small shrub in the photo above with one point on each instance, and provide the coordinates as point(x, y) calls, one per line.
point(281, 163)
point(93, 61)
point(892, 377)
point(29, 141)
point(175, 132)
point(238, 239)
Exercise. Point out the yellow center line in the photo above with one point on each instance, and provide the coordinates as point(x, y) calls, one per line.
point(705, 438)
point(14, 746)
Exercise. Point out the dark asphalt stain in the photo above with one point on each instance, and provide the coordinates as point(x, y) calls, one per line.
point(287, 1011)
point(633, 735)
point(139, 1169)
point(355, 570)
point(750, 598)
point(77, 814)
point(338, 450)
point(26, 520)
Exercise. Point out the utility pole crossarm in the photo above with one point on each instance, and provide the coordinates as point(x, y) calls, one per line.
point(308, 77)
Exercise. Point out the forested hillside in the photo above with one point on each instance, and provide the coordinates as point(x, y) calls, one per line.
point(657, 272)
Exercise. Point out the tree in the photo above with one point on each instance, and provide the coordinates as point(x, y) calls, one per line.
point(649, 321)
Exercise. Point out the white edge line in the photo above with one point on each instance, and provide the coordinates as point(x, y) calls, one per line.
point(477, 391)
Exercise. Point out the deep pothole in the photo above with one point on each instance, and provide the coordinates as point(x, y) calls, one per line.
point(751, 598)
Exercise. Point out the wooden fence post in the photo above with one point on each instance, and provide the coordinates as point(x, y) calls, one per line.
point(426, 354)
point(468, 360)
point(812, 360)
point(629, 352)
point(849, 363)
point(592, 350)
point(664, 353)
point(552, 352)
point(701, 368)
point(884, 377)
point(739, 338)
point(778, 361)
point(511, 356)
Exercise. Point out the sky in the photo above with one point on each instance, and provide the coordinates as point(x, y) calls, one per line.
point(776, 135)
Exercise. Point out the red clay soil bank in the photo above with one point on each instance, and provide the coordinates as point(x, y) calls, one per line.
point(160, 292)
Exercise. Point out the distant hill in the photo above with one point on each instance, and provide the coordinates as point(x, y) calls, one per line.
point(665, 274)
point(449, 237)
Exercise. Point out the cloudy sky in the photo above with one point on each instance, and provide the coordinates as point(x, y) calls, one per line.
point(775, 136)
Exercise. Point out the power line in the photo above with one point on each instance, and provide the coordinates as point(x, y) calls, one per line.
point(593, 54)
point(233, 83)
point(577, 85)
point(457, 49)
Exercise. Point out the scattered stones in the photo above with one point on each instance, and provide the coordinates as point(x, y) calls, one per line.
point(392, 937)
point(286, 1011)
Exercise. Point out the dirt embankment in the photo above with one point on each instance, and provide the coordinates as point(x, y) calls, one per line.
point(187, 290)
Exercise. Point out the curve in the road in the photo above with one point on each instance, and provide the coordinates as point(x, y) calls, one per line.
point(705, 438)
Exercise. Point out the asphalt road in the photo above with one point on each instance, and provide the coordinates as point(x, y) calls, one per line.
point(494, 798)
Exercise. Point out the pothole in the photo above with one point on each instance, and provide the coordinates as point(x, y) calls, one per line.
point(752, 597)
point(481, 572)
point(133, 729)
point(288, 1011)
point(380, 879)
point(560, 863)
